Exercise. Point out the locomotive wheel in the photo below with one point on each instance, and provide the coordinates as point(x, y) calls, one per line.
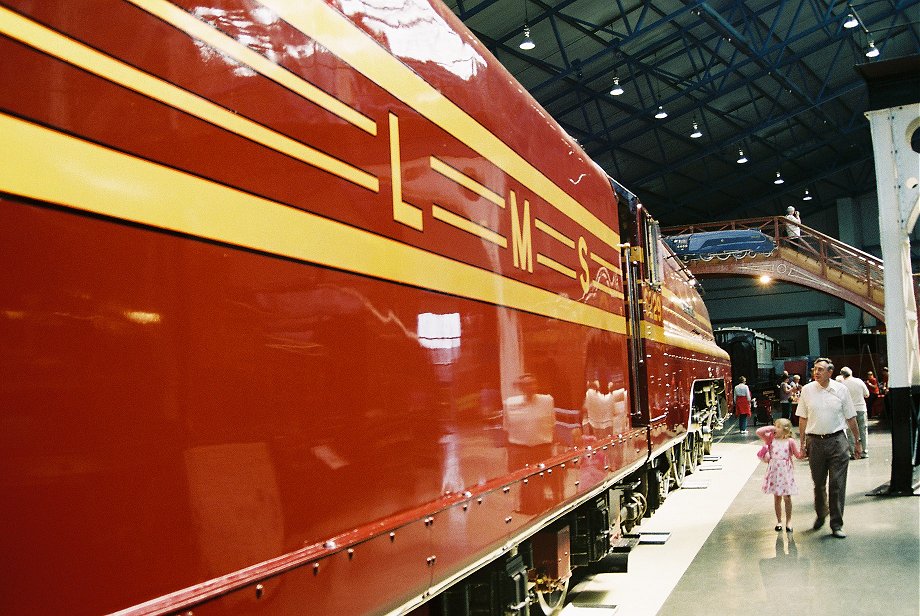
point(678, 465)
point(698, 450)
point(551, 603)
point(689, 447)
point(658, 487)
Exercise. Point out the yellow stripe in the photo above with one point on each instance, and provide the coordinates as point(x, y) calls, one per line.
point(695, 321)
point(600, 261)
point(172, 14)
point(556, 235)
point(334, 32)
point(555, 265)
point(605, 289)
point(41, 38)
point(39, 163)
point(671, 295)
point(657, 333)
point(465, 181)
point(469, 226)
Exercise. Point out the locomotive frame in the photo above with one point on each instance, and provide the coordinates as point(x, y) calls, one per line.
point(301, 322)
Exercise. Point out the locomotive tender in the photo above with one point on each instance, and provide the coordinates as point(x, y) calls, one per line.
point(309, 308)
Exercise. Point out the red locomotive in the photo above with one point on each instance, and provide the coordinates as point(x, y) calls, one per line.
point(310, 309)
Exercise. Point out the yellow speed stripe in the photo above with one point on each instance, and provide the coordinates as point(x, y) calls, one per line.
point(446, 216)
point(553, 233)
point(466, 181)
point(670, 337)
point(172, 14)
point(604, 263)
point(79, 55)
point(39, 163)
point(606, 289)
point(337, 34)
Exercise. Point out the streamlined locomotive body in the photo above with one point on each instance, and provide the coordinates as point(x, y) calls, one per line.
point(309, 308)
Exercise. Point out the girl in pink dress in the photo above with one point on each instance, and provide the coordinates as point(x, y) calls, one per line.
point(780, 479)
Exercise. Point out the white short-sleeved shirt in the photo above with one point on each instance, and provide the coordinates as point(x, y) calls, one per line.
point(858, 392)
point(826, 409)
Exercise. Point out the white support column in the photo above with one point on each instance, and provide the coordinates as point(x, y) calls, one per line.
point(897, 169)
point(894, 116)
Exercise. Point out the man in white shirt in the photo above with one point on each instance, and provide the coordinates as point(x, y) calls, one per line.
point(825, 410)
point(859, 391)
point(792, 229)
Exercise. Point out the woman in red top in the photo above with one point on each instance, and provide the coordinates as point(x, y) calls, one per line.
point(742, 404)
point(872, 385)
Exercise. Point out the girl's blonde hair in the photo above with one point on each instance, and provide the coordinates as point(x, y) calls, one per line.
point(783, 427)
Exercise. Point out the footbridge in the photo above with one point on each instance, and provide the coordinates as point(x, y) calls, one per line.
point(810, 259)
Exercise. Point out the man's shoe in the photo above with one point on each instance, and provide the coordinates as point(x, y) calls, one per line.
point(838, 532)
point(819, 522)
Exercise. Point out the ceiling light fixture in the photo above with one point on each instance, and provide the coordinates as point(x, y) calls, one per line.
point(662, 114)
point(697, 133)
point(872, 51)
point(779, 179)
point(807, 196)
point(527, 43)
point(851, 21)
point(741, 157)
point(616, 90)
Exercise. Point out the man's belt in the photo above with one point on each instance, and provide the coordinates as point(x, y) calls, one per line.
point(824, 435)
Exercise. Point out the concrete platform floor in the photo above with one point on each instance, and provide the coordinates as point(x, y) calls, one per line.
point(723, 556)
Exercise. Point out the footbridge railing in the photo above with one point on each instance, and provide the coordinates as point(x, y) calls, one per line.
point(808, 258)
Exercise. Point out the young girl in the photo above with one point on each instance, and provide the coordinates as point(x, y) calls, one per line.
point(780, 480)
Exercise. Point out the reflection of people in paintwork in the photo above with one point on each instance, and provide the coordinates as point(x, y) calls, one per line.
point(529, 418)
point(605, 413)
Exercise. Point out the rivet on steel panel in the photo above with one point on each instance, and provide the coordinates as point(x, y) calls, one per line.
point(259, 590)
point(550, 471)
point(508, 520)
point(315, 568)
point(466, 506)
point(479, 500)
point(526, 480)
point(392, 536)
point(506, 489)
point(351, 553)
